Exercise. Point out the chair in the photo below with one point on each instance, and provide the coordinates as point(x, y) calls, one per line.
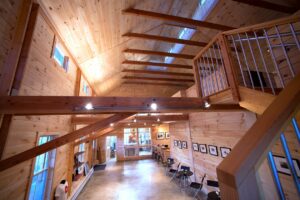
point(168, 164)
point(197, 186)
point(174, 171)
point(214, 195)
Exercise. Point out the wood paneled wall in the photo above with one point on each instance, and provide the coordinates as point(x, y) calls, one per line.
point(42, 76)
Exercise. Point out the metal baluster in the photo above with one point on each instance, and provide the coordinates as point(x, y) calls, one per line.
point(218, 70)
point(294, 34)
point(284, 51)
point(223, 67)
point(264, 63)
point(296, 128)
point(290, 162)
point(198, 65)
point(210, 74)
point(206, 77)
point(238, 58)
point(255, 64)
point(214, 70)
point(275, 176)
point(245, 58)
point(273, 58)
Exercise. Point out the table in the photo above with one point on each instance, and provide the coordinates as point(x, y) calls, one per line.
point(184, 177)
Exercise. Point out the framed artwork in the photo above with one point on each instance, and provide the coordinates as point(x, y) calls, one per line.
point(184, 144)
point(224, 151)
point(179, 144)
point(203, 148)
point(160, 135)
point(167, 135)
point(213, 150)
point(283, 167)
point(195, 147)
point(175, 143)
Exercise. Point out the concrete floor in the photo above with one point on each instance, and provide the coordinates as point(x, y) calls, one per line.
point(133, 180)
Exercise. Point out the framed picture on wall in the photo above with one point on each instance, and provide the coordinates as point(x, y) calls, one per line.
point(195, 147)
point(175, 143)
point(203, 148)
point(224, 151)
point(213, 150)
point(167, 135)
point(160, 135)
point(179, 144)
point(283, 167)
point(184, 144)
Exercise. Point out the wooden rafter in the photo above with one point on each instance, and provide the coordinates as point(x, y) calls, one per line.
point(158, 79)
point(70, 137)
point(159, 53)
point(157, 72)
point(182, 20)
point(156, 83)
point(55, 105)
point(270, 5)
point(133, 62)
point(164, 39)
point(163, 118)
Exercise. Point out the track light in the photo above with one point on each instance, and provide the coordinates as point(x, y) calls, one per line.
point(206, 105)
point(153, 106)
point(134, 120)
point(89, 106)
point(158, 119)
point(111, 124)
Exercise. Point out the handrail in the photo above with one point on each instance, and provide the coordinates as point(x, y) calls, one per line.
point(237, 172)
point(277, 22)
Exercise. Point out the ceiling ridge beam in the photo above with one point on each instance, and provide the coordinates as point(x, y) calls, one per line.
point(171, 65)
point(165, 39)
point(157, 83)
point(159, 53)
point(158, 72)
point(158, 79)
point(182, 20)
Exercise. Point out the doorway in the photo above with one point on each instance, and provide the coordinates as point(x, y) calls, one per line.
point(111, 148)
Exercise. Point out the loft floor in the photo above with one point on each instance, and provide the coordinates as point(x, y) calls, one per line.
point(134, 180)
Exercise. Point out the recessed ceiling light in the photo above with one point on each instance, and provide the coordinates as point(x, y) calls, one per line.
point(153, 106)
point(111, 124)
point(129, 124)
point(89, 106)
point(158, 119)
point(206, 105)
point(134, 120)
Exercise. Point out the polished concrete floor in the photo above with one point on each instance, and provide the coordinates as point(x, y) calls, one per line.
point(133, 180)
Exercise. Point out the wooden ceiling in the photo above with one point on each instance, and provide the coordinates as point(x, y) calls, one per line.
point(96, 32)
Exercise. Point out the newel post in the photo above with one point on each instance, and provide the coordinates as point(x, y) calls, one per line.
point(229, 66)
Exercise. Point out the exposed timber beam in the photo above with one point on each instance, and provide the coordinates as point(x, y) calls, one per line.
point(182, 20)
point(158, 79)
point(157, 72)
point(156, 83)
point(270, 6)
point(70, 137)
point(163, 118)
point(133, 62)
point(56, 105)
point(159, 53)
point(164, 39)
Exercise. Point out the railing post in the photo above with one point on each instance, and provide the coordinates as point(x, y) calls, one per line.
point(197, 79)
point(229, 66)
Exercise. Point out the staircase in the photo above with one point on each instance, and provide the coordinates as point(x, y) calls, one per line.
point(258, 67)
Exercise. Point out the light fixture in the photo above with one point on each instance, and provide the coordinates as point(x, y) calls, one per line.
point(134, 120)
point(89, 106)
point(145, 124)
point(158, 119)
point(153, 106)
point(206, 105)
point(128, 124)
point(111, 124)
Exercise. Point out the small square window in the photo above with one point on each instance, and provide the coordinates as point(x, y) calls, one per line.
point(59, 57)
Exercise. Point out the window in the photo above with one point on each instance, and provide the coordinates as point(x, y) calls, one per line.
point(60, 58)
point(81, 149)
point(137, 141)
point(85, 88)
point(42, 173)
point(130, 136)
point(144, 136)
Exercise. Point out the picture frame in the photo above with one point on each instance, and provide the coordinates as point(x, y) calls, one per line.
point(175, 143)
point(213, 150)
point(224, 151)
point(282, 165)
point(184, 144)
point(179, 144)
point(195, 146)
point(160, 135)
point(167, 135)
point(203, 148)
